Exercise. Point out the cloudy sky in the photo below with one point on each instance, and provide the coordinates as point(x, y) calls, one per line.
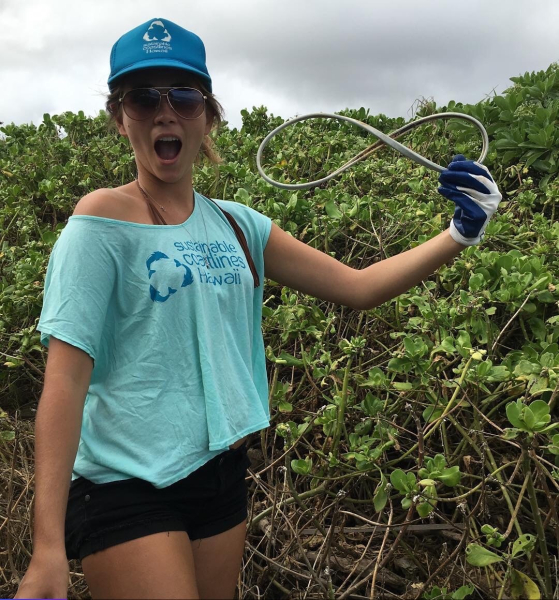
point(293, 56)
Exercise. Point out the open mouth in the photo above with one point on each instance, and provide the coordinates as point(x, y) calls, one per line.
point(168, 148)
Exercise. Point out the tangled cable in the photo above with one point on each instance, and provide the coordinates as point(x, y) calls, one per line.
point(383, 139)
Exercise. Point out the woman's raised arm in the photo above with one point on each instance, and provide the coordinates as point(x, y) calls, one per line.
point(292, 263)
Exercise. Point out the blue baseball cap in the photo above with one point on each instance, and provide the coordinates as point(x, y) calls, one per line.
point(159, 43)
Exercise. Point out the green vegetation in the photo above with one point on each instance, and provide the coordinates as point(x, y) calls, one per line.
point(437, 409)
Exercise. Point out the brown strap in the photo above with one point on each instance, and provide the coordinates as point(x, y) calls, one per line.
point(159, 220)
point(242, 240)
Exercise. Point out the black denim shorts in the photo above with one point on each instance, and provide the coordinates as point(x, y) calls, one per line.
point(209, 501)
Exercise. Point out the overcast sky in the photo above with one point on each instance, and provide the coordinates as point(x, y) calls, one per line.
point(293, 56)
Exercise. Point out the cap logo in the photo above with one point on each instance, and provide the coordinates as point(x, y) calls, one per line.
point(157, 38)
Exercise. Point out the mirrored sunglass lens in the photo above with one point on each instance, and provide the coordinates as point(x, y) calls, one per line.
point(188, 103)
point(141, 103)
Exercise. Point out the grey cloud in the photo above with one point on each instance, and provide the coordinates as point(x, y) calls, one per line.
point(292, 56)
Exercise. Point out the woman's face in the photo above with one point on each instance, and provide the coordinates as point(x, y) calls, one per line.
point(156, 157)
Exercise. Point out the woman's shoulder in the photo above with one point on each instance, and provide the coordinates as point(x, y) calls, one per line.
point(254, 223)
point(237, 209)
point(110, 203)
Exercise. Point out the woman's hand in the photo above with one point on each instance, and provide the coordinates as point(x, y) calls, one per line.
point(47, 576)
point(470, 186)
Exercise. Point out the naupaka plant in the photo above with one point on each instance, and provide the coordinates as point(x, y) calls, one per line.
point(435, 468)
point(423, 492)
point(495, 304)
point(521, 586)
point(532, 419)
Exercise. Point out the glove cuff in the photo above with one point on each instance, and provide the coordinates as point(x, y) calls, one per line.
point(458, 237)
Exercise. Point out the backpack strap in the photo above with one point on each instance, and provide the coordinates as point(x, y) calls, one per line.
point(242, 240)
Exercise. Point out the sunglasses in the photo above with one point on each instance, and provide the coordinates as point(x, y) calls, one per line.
point(143, 103)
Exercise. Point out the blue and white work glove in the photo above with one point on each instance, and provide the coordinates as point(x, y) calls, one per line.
point(470, 186)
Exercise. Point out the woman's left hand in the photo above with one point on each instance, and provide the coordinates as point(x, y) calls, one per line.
point(470, 186)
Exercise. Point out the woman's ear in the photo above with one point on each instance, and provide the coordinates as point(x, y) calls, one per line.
point(120, 125)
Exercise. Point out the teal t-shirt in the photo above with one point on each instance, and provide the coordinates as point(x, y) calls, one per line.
point(172, 320)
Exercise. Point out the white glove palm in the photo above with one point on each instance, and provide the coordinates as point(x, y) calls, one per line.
point(470, 186)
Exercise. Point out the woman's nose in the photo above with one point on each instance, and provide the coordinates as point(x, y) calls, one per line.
point(165, 111)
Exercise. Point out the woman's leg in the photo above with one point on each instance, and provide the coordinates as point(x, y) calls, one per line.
point(217, 560)
point(154, 566)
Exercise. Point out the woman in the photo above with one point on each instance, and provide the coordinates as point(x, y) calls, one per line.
point(152, 314)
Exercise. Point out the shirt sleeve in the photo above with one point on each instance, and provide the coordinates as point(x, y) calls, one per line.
point(79, 284)
point(263, 225)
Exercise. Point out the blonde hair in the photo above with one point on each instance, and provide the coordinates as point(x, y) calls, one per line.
point(207, 149)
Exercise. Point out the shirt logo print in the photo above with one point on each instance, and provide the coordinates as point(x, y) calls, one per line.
point(157, 38)
point(166, 276)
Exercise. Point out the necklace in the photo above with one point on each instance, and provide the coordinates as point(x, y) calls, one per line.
point(148, 197)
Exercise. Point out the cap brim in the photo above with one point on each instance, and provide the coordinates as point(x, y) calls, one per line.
point(150, 64)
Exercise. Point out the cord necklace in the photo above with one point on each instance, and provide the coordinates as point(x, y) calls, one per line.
point(148, 197)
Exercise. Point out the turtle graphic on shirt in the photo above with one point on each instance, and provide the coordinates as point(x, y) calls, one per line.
point(166, 276)
point(157, 33)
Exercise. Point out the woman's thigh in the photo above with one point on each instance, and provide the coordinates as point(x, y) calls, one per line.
point(160, 565)
point(218, 560)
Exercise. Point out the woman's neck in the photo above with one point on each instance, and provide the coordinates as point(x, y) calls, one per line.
point(176, 197)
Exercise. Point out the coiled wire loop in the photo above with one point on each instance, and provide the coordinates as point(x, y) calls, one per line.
point(383, 139)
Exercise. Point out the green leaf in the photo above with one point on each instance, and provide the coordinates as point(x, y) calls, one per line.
point(525, 543)
point(499, 373)
point(553, 448)
point(7, 436)
point(400, 365)
point(427, 482)
point(332, 210)
point(463, 592)
point(242, 196)
point(399, 480)
point(513, 414)
point(463, 343)
point(380, 498)
point(522, 587)
point(406, 503)
point(302, 467)
point(539, 385)
point(376, 378)
point(540, 410)
point(371, 405)
point(406, 385)
point(439, 462)
point(484, 368)
point(478, 556)
point(431, 413)
point(547, 359)
point(49, 238)
point(436, 593)
point(285, 406)
point(286, 359)
point(528, 417)
point(510, 433)
point(424, 509)
point(409, 345)
point(364, 427)
point(450, 477)
point(525, 367)
point(411, 481)
point(448, 345)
